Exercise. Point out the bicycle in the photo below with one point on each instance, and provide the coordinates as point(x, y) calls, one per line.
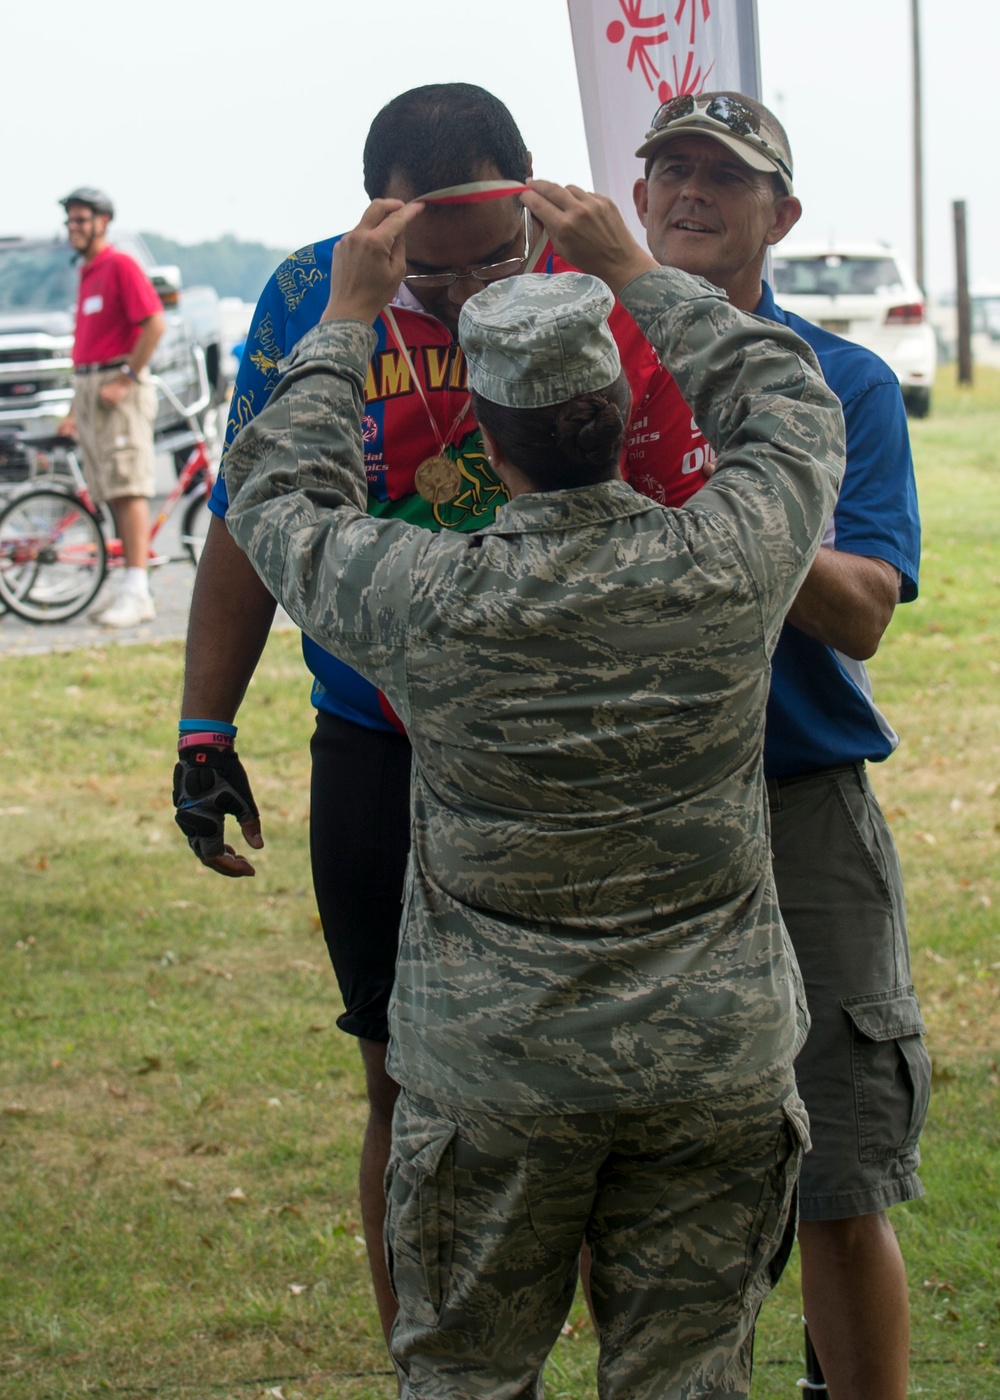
point(56, 545)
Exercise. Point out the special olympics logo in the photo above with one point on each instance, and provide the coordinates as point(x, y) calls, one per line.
point(649, 45)
point(369, 428)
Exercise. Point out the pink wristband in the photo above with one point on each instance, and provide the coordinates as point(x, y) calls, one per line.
point(193, 741)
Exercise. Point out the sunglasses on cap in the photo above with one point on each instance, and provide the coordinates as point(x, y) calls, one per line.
point(737, 117)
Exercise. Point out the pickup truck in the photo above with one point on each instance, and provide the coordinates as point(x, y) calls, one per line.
point(38, 282)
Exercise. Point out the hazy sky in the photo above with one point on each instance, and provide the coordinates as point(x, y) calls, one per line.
point(209, 117)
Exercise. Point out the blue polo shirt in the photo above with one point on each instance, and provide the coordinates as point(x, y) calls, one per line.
point(821, 712)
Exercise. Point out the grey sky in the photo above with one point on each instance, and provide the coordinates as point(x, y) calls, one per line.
point(206, 118)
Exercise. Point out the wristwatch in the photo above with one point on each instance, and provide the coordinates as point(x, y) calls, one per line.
point(129, 372)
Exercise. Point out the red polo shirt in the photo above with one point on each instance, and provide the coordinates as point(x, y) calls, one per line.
point(115, 296)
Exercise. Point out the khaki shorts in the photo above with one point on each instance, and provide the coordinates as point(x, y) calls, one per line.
point(864, 1071)
point(688, 1210)
point(116, 443)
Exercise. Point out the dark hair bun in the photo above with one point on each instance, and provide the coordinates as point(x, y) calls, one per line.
point(589, 429)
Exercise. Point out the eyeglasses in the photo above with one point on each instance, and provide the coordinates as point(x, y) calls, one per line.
point(736, 116)
point(482, 272)
point(79, 219)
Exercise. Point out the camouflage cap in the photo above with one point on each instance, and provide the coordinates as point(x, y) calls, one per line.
point(539, 339)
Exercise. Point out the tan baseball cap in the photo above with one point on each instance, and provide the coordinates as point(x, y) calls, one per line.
point(738, 122)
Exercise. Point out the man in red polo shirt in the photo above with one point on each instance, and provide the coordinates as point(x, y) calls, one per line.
point(119, 320)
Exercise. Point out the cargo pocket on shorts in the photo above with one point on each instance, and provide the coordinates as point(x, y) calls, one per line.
point(420, 1213)
point(892, 1073)
point(773, 1233)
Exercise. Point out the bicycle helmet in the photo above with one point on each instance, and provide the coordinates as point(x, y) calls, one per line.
point(94, 199)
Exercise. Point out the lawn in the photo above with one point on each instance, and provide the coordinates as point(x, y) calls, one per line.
point(179, 1118)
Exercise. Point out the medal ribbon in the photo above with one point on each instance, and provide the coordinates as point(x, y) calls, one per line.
point(476, 192)
point(404, 351)
point(473, 192)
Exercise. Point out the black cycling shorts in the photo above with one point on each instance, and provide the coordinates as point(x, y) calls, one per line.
point(359, 838)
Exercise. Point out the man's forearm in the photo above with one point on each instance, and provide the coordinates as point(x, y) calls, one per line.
point(231, 616)
point(846, 602)
point(149, 338)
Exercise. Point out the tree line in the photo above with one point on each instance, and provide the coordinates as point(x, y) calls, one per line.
point(230, 265)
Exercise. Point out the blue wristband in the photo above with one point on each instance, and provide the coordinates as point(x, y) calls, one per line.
point(188, 726)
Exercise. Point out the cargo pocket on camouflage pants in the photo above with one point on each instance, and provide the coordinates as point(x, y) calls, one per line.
point(420, 1211)
point(773, 1233)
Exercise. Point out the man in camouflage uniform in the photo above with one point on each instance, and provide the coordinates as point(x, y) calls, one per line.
point(596, 1009)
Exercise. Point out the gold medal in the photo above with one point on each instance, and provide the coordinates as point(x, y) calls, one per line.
point(438, 479)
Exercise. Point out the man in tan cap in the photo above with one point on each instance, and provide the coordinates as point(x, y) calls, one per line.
point(596, 1011)
point(716, 196)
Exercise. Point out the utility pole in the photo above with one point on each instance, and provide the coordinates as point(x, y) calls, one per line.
point(962, 294)
point(918, 153)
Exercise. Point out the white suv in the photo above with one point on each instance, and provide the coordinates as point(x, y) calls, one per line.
point(864, 292)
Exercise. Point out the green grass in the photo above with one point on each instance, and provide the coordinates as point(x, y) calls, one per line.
point(167, 1037)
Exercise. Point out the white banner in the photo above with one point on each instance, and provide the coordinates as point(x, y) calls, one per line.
point(631, 55)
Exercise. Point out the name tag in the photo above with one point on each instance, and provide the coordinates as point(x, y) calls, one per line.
point(92, 304)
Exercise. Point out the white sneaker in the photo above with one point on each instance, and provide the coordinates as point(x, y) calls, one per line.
point(128, 610)
point(112, 592)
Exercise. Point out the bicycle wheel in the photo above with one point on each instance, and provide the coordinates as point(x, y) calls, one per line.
point(52, 556)
point(194, 526)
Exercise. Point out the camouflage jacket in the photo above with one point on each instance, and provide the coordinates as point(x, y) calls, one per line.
point(589, 918)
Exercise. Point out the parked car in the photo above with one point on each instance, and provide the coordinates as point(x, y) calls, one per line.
point(866, 293)
point(38, 282)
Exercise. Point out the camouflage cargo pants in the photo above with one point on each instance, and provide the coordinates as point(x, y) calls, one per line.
point(687, 1208)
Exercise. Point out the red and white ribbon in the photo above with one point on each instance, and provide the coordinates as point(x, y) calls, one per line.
point(474, 192)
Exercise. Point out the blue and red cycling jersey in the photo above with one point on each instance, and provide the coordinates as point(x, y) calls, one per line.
point(399, 433)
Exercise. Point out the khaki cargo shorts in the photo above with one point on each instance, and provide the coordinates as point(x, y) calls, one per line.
point(116, 443)
point(864, 1071)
